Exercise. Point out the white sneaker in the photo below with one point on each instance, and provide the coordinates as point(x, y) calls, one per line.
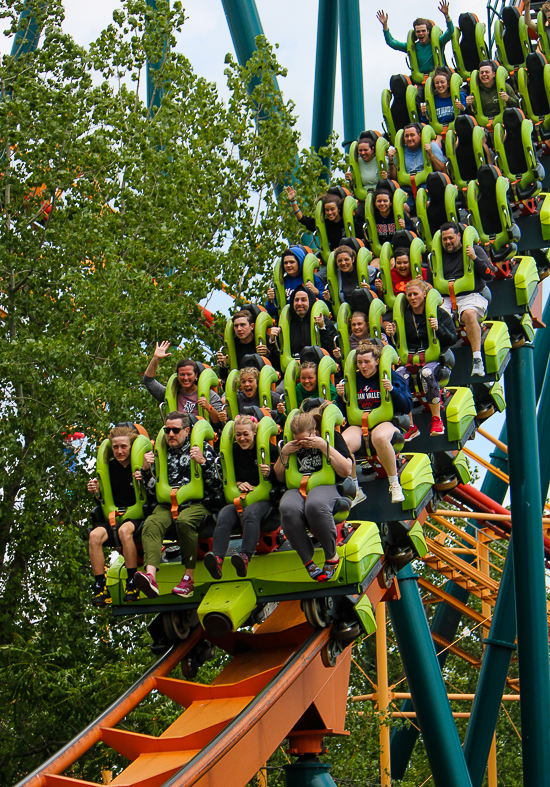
point(478, 370)
point(396, 492)
point(359, 497)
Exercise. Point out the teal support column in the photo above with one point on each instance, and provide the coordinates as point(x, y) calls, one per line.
point(428, 693)
point(244, 25)
point(28, 33)
point(532, 624)
point(308, 772)
point(154, 90)
point(352, 69)
point(499, 647)
point(325, 73)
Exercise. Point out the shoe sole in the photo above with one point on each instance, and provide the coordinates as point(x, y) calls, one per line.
point(435, 434)
point(238, 564)
point(142, 584)
point(408, 439)
point(182, 593)
point(130, 599)
point(211, 565)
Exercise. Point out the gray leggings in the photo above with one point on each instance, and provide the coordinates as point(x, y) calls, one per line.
point(228, 518)
point(315, 513)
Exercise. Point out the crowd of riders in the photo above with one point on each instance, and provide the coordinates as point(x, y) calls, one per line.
point(306, 305)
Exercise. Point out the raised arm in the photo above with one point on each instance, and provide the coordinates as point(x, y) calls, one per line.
point(161, 351)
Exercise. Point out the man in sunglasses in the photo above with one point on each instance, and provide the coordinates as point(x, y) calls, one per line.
point(191, 514)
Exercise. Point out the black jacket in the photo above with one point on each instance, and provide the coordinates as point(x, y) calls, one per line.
point(416, 329)
point(300, 327)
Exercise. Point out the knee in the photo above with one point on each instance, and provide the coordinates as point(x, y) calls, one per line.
point(97, 537)
point(427, 373)
point(125, 533)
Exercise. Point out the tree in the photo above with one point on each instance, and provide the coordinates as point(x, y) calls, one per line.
point(115, 222)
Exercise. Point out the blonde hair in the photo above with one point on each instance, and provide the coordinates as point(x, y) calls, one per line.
point(303, 422)
point(247, 420)
point(418, 282)
point(369, 347)
point(251, 371)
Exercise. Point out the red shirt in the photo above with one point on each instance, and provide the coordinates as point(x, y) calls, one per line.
point(400, 282)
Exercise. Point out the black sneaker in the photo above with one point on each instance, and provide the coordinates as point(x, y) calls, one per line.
point(102, 597)
point(131, 594)
point(213, 565)
point(240, 561)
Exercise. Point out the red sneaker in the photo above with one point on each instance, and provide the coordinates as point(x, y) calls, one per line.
point(185, 588)
point(240, 561)
point(146, 583)
point(412, 432)
point(213, 564)
point(436, 426)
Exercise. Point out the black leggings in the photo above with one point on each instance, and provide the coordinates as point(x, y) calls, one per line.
point(228, 518)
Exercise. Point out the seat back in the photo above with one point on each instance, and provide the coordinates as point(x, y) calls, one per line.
point(418, 76)
point(399, 104)
point(468, 42)
point(332, 417)
point(500, 79)
point(267, 428)
point(533, 86)
point(384, 412)
point(140, 447)
point(466, 283)
point(419, 178)
point(511, 38)
point(433, 351)
point(202, 431)
point(362, 261)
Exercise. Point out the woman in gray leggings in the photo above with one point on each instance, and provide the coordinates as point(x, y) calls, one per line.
point(315, 511)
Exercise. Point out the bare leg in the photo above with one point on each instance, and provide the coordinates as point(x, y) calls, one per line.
point(380, 438)
point(129, 550)
point(98, 537)
point(469, 318)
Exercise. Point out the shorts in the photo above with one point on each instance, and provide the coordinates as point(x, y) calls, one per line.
point(474, 301)
point(111, 540)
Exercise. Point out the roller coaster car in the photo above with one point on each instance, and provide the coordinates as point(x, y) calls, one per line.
point(362, 264)
point(266, 384)
point(482, 119)
point(450, 468)
point(468, 42)
point(349, 208)
point(457, 404)
point(515, 154)
point(310, 266)
point(381, 146)
point(319, 307)
point(495, 339)
point(414, 470)
point(413, 181)
point(512, 38)
point(514, 289)
point(400, 104)
point(263, 322)
point(435, 205)
point(534, 89)
point(417, 248)
point(455, 85)
point(399, 200)
point(417, 76)
point(107, 513)
point(542, 31)
point(326, 369)
point(367, 303)
point(464, 150)
point(490, 213)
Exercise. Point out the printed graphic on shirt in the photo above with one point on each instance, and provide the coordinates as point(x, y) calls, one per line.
point(368, 397)
point(310, 460)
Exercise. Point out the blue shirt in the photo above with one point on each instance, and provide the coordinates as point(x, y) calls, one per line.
point(414, 160)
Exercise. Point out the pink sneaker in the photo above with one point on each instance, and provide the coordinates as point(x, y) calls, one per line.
point(185, 588)
point(412, 432)
point(146, 583)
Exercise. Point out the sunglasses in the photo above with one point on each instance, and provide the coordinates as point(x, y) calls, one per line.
point(174, 429)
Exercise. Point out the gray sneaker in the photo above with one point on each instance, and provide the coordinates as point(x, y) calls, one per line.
point(359, 497)
point(478, 370)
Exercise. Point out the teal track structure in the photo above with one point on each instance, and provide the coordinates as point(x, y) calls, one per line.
point(522, 592)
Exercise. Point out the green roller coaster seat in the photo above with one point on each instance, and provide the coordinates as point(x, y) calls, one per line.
point(279, 272)
point(542, 31)
point(460, 463)
point(466, 283)
point(416, 479)
point(490, 213)
point(526, 280)
point(468, 42)
point(496, 346)
point(417, 76)
point(435, 205)
point(515, 154)
point(232, 385)
point(464, 150)
point(140, 447)
point(362, 262)
point(384, 412)
point(342, 325)
point(534, 89)
point(399, 105)
point(399, 200)
point(207, 379)
point(262, 324)
point(460, 411)
point(418, 178)
point(416, 250)
point(511, 38)
point(484, 120)
point(380, 146)
point(202, 431)
point(318, 308)
point(377, 310)
point(438, 127)
point(433, 352)
point(332, 417)
point(267, 428)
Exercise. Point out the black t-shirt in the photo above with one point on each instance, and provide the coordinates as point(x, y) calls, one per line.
point(311, 459)
point(246, 464)
point(122, 484)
